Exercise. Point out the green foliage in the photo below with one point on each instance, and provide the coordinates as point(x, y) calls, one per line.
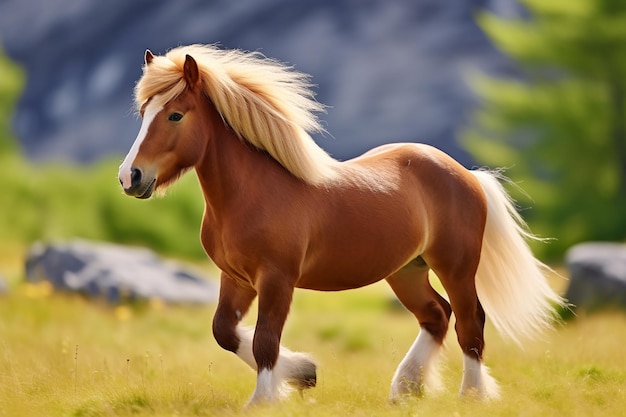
point(561, 130)
point(62, 202)
point(11, 83)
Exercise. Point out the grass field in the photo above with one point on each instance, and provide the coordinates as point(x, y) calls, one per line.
point(61, 355)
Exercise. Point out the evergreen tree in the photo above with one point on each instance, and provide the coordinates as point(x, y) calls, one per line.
point(560, 127)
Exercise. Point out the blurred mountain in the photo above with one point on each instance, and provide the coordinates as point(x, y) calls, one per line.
point(389, 70)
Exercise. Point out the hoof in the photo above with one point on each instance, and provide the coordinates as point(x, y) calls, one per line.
point(304, 376)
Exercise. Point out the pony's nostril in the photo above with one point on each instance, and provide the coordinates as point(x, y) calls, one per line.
point(135, 176)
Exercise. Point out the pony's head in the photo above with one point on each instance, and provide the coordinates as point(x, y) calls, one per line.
point(264, 102)
point(169, 141)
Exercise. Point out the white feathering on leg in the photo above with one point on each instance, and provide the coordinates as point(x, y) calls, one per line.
point(288, 366)
point(418, 368)
point(477, 381)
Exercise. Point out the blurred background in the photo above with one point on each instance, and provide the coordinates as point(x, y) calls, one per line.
point(537, 87)
point(533, 86)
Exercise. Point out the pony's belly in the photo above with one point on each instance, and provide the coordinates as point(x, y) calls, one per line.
point(355, 252)
point(343, 273)
point(339, 284)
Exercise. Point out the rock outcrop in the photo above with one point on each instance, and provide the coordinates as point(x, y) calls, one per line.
point(116, 273)
point(597, 275)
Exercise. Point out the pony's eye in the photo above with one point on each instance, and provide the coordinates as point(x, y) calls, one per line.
point(175, 117)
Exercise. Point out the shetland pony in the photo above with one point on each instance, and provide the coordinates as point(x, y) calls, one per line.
point(280, 214)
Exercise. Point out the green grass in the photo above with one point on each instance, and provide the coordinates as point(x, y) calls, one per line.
point(61, 355)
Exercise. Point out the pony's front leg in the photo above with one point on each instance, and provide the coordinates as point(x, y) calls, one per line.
point(234, 301)
point(277, 367)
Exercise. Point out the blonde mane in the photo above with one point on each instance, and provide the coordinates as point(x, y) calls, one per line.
point(264, 101)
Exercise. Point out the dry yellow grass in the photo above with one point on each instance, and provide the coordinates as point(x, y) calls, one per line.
point(64, 356)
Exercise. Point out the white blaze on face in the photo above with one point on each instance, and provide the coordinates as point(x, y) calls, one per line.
point(152, 109)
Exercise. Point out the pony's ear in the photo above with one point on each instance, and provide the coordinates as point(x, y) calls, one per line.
point(148, 57)
point(190, 69)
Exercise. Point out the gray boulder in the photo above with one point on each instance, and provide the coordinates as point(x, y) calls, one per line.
point(116, 273)
point(597, 275)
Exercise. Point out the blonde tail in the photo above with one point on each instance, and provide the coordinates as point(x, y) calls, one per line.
point(510, 281)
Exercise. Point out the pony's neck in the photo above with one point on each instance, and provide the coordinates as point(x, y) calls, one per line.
point(231, 169)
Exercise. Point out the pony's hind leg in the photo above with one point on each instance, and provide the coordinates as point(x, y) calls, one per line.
point(458, 278)
point(418, 368)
